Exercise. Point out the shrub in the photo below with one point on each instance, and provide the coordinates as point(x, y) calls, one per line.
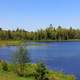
point(4, 66)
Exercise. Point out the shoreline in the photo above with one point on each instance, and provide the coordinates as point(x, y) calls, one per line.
point(71, 40)
point(10, 42)
point(20, 42)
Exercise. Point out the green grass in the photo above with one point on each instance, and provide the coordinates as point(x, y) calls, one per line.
point(12, 76)
point(30, 68)
point(19, 42)
point(55, 75)
point(10, 42)
point(61, 76)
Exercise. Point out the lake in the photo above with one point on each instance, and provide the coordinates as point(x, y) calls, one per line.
point(59, 56)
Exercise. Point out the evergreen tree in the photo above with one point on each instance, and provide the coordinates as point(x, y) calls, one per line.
point(41, 72)
point(21, 59)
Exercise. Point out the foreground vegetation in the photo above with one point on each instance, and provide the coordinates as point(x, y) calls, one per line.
point(30, 69)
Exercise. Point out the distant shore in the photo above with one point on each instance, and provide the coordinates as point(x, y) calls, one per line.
point(10, 42)
point(19, 42)
point(70, 40)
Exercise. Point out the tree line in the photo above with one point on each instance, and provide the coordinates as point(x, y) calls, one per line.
point(50, 33)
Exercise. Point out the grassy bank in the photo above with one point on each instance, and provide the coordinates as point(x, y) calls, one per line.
point(19, 42)
point(10, 42)
point(10, 75)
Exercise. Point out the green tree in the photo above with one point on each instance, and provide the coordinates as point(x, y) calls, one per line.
point(0, 29)
point(49, 33)
point(4, 66)
point(41, 72)
point(21, 59)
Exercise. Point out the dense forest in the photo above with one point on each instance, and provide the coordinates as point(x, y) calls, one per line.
point(50, 33)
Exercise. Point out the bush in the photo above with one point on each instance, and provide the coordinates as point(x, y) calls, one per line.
point(4, 66)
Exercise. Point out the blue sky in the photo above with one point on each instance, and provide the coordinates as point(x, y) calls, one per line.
point(35, 14)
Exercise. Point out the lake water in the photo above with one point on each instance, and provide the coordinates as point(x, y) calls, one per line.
point(60, 56)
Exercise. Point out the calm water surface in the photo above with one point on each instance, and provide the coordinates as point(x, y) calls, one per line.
point(61, 56)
